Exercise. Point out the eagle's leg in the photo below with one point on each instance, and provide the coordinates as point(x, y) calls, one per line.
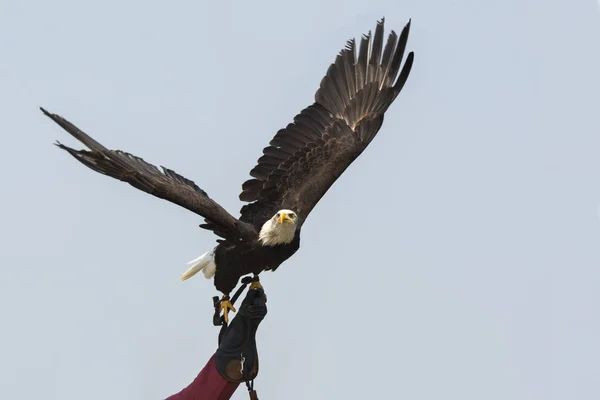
point(255, 283)
point(225, 306)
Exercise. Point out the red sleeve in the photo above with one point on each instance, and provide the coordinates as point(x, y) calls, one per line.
point(208, 385)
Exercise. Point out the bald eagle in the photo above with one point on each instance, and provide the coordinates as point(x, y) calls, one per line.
point(300, 164)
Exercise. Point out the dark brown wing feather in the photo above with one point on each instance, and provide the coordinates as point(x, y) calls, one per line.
point(305, 159)
point(165, 184)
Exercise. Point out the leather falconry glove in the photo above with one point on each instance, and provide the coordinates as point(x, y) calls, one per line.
point(236, 358)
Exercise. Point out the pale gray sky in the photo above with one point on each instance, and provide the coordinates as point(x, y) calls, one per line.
point(458, 258)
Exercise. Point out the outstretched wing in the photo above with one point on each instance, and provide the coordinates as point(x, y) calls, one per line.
point(165, 184)
point(305, 159)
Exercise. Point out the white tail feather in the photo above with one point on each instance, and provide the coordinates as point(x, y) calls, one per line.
point(210, 270)
point(204, 263)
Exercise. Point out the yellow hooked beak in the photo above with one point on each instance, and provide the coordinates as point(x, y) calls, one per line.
point(283, 218)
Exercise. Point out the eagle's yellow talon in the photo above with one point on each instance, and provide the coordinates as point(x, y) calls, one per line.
point(256, 285)
point(225, 307)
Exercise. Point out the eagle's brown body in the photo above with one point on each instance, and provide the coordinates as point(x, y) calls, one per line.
point(234, 262)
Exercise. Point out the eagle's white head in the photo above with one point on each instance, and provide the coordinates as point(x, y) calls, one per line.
point(280, 229)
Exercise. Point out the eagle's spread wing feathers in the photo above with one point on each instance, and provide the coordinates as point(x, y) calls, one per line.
point(165, 184)
point(305, 159)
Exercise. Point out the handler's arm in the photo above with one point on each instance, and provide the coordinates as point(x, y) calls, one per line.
point(208, 385)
